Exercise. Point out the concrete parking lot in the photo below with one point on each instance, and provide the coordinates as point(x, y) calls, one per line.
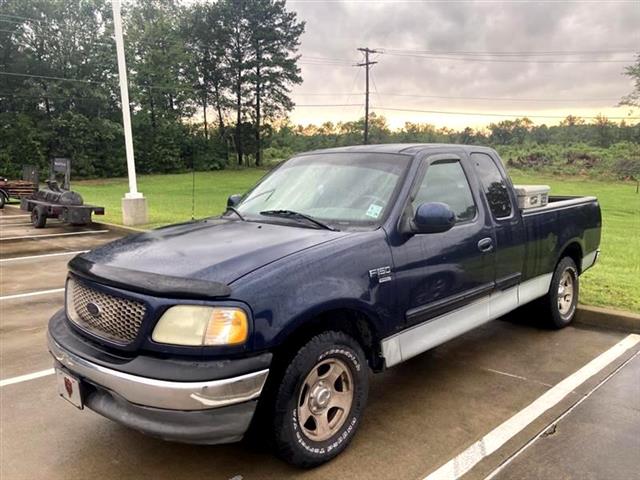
point(508, 400)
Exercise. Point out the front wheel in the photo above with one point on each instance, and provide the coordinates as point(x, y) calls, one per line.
point(562, 299)
point(320, 400)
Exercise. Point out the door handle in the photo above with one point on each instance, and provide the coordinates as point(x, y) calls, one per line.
point(485, 245)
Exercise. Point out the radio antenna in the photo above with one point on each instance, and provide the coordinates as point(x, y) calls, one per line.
point(193, 189)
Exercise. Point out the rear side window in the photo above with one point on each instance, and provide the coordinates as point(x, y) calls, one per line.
point(493, 184)
point(446, 182)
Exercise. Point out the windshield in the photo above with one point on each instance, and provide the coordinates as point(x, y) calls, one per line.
point(340, 189)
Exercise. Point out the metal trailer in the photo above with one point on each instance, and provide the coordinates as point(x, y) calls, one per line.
point(41, 207)
point(14, 189)
point(58, 202)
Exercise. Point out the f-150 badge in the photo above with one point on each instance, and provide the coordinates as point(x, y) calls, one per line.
point(382, 274)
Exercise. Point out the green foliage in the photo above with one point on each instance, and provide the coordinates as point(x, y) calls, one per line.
point(633, 71)
point(183, 60)
point(617, 161)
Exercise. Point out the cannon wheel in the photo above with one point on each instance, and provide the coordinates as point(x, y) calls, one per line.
point(39, 216)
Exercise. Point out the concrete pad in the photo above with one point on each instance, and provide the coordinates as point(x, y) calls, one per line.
point(33, 275)
point(598, 439)
point(420, 414)
point(23, 327)
point(10, 249)
point(11, 211)
point(21, 230)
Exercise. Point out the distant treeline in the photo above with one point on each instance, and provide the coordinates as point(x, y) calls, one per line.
point(210, 88)
point(600, 147)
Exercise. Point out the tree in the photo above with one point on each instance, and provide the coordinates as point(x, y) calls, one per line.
point(274, 38)
point(207, 37)
point(633, 71)
point(235, 14)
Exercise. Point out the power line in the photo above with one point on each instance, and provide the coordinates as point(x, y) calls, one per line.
point(327, 94)
point(45, 77)
point(499, 60)
point(506, 99)
point(456, 97)
point(491, 114)
point(503, 53)
point(20, 18)
point(95, 82)
point(329, 105)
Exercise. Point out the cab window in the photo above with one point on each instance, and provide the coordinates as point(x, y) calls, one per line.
point(446, 182)
point(493, 184)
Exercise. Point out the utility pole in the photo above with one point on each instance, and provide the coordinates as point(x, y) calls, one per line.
point(367, 64)
point(134, 205)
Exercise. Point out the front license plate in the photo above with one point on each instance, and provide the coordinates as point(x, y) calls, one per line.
point(69, 388)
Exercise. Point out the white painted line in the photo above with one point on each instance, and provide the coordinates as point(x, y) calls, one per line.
point(88, 232)
point(15, 216)
point(23, 224)
point(45, 255)
point(558, 420)
point(27, 377)
point(465, 461)
point(31, 294)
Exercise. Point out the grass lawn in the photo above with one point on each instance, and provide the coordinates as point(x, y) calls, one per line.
point(614, 281)
point(169, 196)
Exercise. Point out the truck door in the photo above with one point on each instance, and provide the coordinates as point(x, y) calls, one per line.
point(439, 272)
point(509, 231)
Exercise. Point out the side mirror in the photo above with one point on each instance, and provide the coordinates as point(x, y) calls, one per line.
point(433, 217)
point(234, 200)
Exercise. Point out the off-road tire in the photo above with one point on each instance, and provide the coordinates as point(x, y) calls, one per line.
point(39, 216)
point(290, 441)
point(558, 312)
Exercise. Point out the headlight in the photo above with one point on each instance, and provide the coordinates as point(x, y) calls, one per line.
point(198, 325)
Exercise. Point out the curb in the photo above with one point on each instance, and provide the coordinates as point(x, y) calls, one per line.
point(120, 228)
point(608, 318)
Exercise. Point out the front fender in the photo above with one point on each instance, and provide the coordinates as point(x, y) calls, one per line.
point(286, 294)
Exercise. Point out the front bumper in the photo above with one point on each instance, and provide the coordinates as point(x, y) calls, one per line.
point(214, 411)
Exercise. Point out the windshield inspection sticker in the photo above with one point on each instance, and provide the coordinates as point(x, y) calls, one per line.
point(374, 211)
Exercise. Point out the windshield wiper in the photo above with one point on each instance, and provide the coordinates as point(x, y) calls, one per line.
point(297, 215)
point(235, 210)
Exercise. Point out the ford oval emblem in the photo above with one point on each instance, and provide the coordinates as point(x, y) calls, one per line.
point(93, 309)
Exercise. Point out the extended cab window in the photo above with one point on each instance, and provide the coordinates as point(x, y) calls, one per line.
point(446, 182)
point(493, 184)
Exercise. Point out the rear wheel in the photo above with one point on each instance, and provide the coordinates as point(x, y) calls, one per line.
point(39, 216)
point(319, 402)
point(3, 200)
point(561, 301)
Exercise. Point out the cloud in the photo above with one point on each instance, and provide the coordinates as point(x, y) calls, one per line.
point(336, 29)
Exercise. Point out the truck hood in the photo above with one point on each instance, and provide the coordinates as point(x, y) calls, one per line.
point(216, 250)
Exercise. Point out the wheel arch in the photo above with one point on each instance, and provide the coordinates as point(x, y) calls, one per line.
point(359, 323)
point(573, 250)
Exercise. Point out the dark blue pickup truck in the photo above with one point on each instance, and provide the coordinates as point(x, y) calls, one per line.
point(336, 263)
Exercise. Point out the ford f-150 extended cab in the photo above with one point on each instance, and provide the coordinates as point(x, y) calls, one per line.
point(338, 262)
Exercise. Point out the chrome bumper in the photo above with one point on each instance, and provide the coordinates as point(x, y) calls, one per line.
point(163, 394)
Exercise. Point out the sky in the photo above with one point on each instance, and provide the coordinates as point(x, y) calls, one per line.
point(420, 67)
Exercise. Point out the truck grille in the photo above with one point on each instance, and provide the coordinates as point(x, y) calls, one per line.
point(114, 318)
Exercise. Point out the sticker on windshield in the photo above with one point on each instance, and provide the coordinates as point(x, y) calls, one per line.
point(374, 211)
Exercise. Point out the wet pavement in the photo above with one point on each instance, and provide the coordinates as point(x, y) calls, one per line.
point(421, 414)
